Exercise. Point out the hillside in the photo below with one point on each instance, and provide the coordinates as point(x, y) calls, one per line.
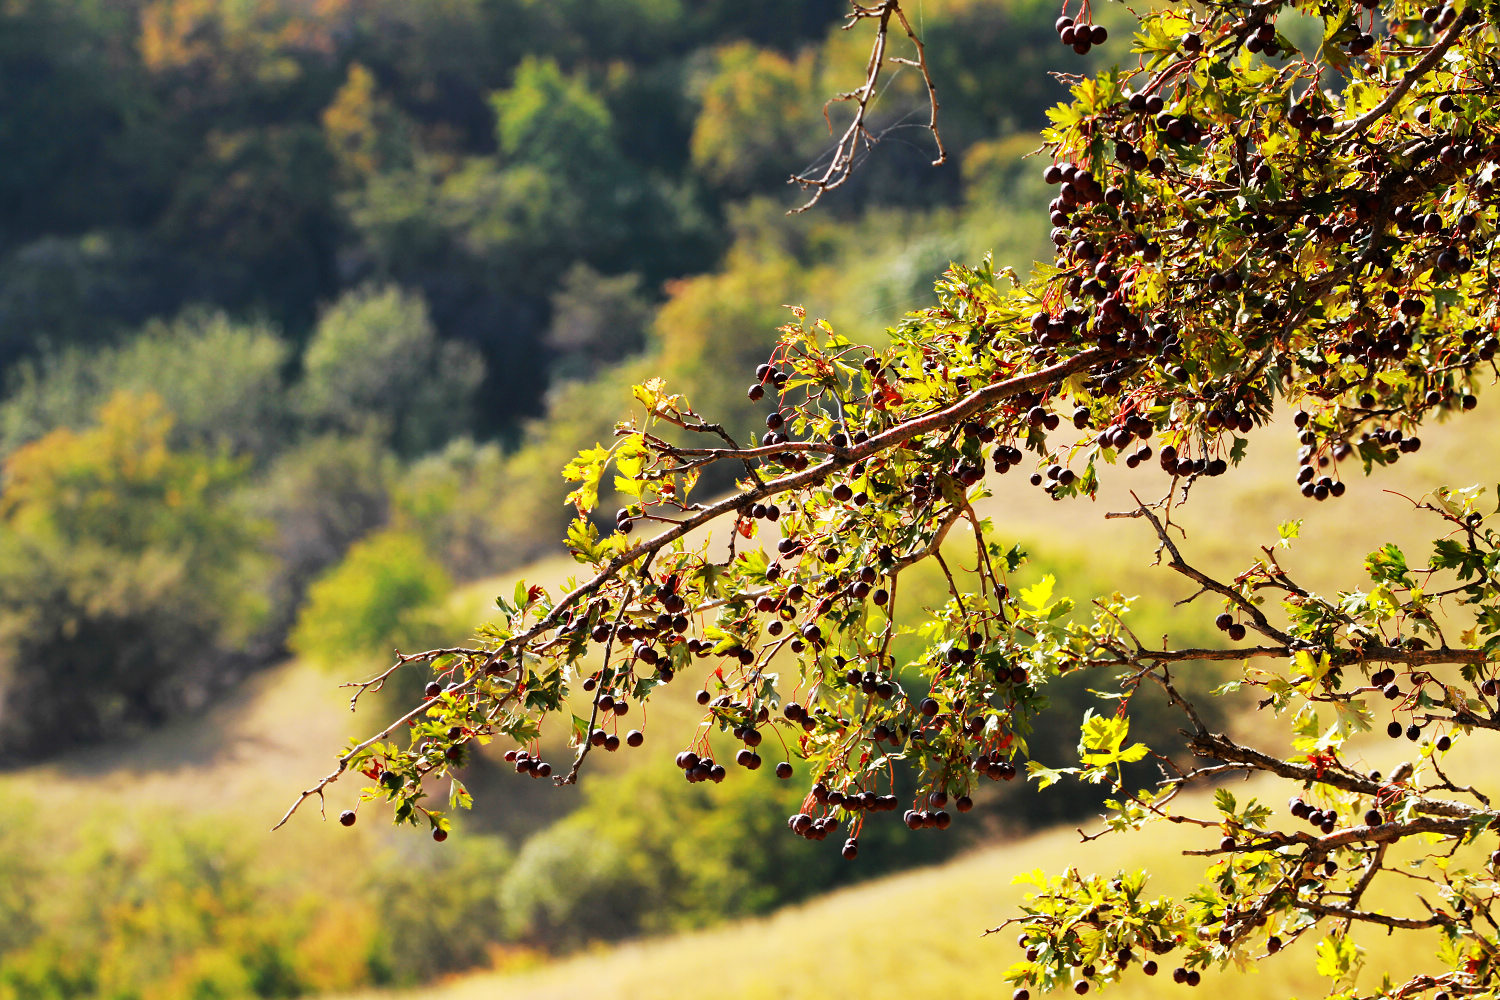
point(234, 769)
point(915, 936)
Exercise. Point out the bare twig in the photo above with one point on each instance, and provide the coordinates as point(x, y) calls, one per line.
point(841, 163)
point(586, 742)
point(1365, 916)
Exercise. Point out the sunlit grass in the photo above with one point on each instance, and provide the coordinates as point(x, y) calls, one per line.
point(917, 935)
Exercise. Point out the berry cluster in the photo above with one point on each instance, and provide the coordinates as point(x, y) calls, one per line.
point(527, 763)
point(1120, 960)
point(1080, 37)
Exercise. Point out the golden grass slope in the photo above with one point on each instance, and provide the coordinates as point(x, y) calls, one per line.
point(918, 935)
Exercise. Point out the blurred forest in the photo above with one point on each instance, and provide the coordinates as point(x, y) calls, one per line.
point(305, 304)
point(277, 275)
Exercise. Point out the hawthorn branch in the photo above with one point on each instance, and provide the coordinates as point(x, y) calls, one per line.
point(932, 99)
point(1435, 52)
point(1222, 747)
point(1365, 916)
point(402, 659)
point(1164, 680)
point(1207, 582)
point(1372, 867)
point(933, 545)
point(704, 427)
point(943, 417)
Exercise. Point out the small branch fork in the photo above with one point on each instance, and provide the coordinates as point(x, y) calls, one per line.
point(1435, 52)
point(587, 742)
point(402, 659)
point(841, 165)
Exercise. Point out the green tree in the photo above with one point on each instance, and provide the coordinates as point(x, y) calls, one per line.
point(759, 113)
point(596, 320)
point(258, 205)
point(128, 574)
point(448, 499)
point(387, 592)
point(375, 363)
point(222, 382)
point(1245, 226)
point(319, 497)
point(74, 98)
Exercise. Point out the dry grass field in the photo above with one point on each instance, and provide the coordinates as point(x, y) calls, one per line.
point(918, 935)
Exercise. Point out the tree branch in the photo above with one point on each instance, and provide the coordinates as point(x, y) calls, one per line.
point(898, 435)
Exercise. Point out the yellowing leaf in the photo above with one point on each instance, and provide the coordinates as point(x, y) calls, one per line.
point(1039, 593)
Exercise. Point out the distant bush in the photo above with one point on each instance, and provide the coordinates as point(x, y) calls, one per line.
point(127, 574)
point(596, 320)
point(528, 508)
point(452, 499)
point(387, 592)
point(62, 291)
point(221, 380)
point(997, 174)
point(171, 911)
point(439, 912)
point(188, 910)
point(650, 853)
point(375, 364)
point(320, 497)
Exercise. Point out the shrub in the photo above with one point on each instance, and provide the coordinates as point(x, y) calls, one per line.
point(375, 363)
point(648, 853)
point(439, 912)
point(452, 500)
point(321, 497)
point(127, 576)
point(221, 380)
point(387, 592)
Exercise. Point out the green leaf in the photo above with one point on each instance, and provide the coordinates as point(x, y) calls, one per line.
point(1046, 776)
point(586, 469)
point(1039, 593)
point(1337, 956)
point(1387, 564)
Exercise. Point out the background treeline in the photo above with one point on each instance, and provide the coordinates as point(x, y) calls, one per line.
point(276, 275)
